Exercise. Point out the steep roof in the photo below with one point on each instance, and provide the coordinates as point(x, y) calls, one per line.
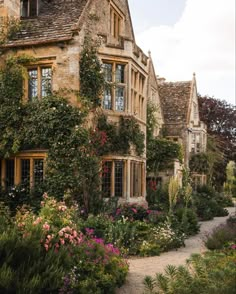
point(55, 21)
point(175, 99)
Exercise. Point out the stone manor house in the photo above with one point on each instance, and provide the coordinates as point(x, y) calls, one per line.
point(54, 32)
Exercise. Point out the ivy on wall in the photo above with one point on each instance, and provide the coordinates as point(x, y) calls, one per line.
point(92, 80)
point(120, 138)
point(160, 152)
point(199, 163)
point(53, 124)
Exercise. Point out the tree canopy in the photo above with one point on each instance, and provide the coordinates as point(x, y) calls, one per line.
point(220, 118)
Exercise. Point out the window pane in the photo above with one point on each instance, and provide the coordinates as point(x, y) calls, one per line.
point(33, 8)
point(25, 172)
point(120, 101)
point(24, 8)
point(119, 170)
point(107, 72)
point(107, 99)
point(33, 84)
point(106, 178)
point(10, 173)
point(38, 171)
point(46, 81)
point(120, 73)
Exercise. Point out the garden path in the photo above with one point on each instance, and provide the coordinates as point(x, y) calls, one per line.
point(140, 267)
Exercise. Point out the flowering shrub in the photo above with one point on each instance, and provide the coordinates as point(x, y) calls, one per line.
point(132, 212)
point(48, 252)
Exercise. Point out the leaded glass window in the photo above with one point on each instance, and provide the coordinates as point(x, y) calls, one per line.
point(119, 170)
point(38, 171)
point(33, 84)
point(106, 178)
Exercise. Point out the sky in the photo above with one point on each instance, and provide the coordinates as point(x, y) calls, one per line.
point(190, 36)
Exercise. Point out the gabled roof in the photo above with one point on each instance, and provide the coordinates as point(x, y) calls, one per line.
point(55, 22)
point(175, 100)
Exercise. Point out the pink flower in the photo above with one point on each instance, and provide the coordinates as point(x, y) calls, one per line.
point(45, 195)
point(46, 227)
point(134, 210)
point(46, 247)
point(233, 246)
point(62, 241)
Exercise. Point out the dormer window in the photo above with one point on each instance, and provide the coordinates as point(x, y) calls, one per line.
point(29, 8)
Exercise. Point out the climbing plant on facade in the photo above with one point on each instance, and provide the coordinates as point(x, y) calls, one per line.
point(120, 138)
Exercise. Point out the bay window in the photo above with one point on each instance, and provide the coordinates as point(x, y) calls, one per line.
point(115, 90)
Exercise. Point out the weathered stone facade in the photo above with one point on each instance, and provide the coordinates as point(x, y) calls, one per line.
point(179, 102)
point(55, 37)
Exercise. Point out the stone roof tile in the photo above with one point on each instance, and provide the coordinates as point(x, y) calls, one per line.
point(55, 21)
point(175, 98)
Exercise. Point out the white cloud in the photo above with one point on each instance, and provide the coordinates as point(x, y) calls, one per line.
point(202, 41)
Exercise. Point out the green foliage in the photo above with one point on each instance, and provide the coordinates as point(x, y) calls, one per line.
point(199, 163)
point(9, 27)
point(221, 236)
point(92, 80)
point(53, 124)
point(188, 220)
point(119, 139)
point(48, 253)
point(162, 152)
point(212, 273)
point(152, 122)
point(173, 190)
point(208, 204)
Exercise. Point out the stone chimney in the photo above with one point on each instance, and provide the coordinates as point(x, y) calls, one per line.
point(160, 80)
point(9, 8)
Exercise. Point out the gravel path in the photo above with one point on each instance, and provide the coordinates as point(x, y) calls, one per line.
point(141, 267)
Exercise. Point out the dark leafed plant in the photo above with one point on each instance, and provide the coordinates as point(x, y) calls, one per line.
point(91, 76)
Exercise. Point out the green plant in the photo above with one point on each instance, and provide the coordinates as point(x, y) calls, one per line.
point(212, 273)
point(221, 236)
point(207, 206)
point(173, 190)
point(92, 80)
point(46, 252)
point(161, 153)
point(188, 221)
point(120, 138)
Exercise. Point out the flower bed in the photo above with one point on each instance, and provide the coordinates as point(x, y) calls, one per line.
point(48, 252)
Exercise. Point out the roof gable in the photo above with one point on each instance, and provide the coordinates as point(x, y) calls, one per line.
point(55, 21)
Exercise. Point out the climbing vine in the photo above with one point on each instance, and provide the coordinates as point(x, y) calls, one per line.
point(92, 80)
point(53, 124)
point(9, 27)
point(120, 138)
point(199, 163)
point(161, 153)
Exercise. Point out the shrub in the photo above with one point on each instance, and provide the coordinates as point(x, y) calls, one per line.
point(188, 220)
point(221, 236)
point(205, 201)
point(132, 211)
point(212, 273)
point(47, 253)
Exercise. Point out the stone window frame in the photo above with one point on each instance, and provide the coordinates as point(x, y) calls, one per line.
point(116, 21)
point(136, 179)
point(117, 181)
point(138, 81)
point(38, 67)
point(31, 10)
point(113, 85)
point(17, 160)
